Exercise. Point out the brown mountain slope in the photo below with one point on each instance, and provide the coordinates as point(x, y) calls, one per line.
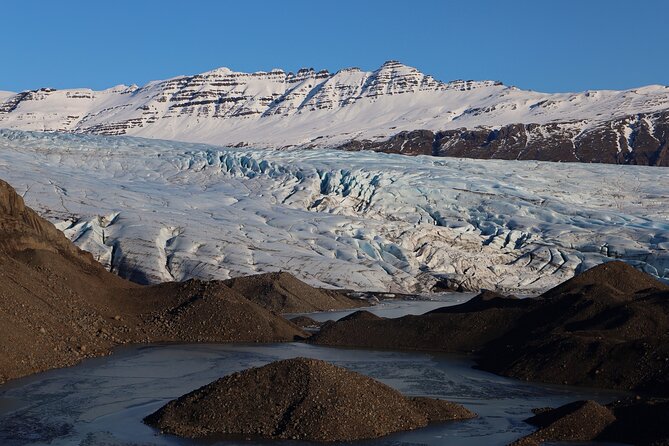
point(57, 305)
point(22, 230)
point(608, 327)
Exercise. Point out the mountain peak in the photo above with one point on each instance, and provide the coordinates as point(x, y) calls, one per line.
point(220, 71)
point(395, 65)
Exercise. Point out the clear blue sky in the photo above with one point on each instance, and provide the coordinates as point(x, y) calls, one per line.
point(558, 45)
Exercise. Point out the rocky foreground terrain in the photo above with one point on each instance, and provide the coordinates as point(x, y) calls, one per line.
point(394, 109)
point(300, 399)
point(607, 327)
point(58, 305)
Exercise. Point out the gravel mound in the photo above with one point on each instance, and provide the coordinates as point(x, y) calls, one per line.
point(577, 421)
point(283, 293)
point(300, 398)
point(639, 421)
point(361, 315)
point(622, 277)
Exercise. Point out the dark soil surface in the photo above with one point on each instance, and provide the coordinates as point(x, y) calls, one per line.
point(636, 421)
point(300, 398)
point(608, 327)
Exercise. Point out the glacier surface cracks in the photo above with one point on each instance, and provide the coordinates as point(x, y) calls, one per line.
point(154, 210)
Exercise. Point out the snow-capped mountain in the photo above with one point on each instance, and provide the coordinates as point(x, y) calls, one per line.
point(156, 211)
point(395, 108)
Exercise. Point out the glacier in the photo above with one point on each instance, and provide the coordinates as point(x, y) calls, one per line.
point(156, 210)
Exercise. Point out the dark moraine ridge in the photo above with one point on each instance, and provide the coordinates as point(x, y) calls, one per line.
point(283, 293)
point(301, 398)
point(608, 327)
point(639, 421)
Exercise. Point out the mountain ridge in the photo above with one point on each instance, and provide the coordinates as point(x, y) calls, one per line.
point(354, 109)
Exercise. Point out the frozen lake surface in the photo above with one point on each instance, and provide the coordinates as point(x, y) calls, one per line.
point(392, 308)
point(102, 401)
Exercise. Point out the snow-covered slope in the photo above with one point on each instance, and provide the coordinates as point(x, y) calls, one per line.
point(316, 108)
point(156, 210)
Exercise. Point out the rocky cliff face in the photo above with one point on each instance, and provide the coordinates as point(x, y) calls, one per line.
point(638, 139)
point(394, 109)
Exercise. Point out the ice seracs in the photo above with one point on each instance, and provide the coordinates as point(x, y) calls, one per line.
point(155, 210)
